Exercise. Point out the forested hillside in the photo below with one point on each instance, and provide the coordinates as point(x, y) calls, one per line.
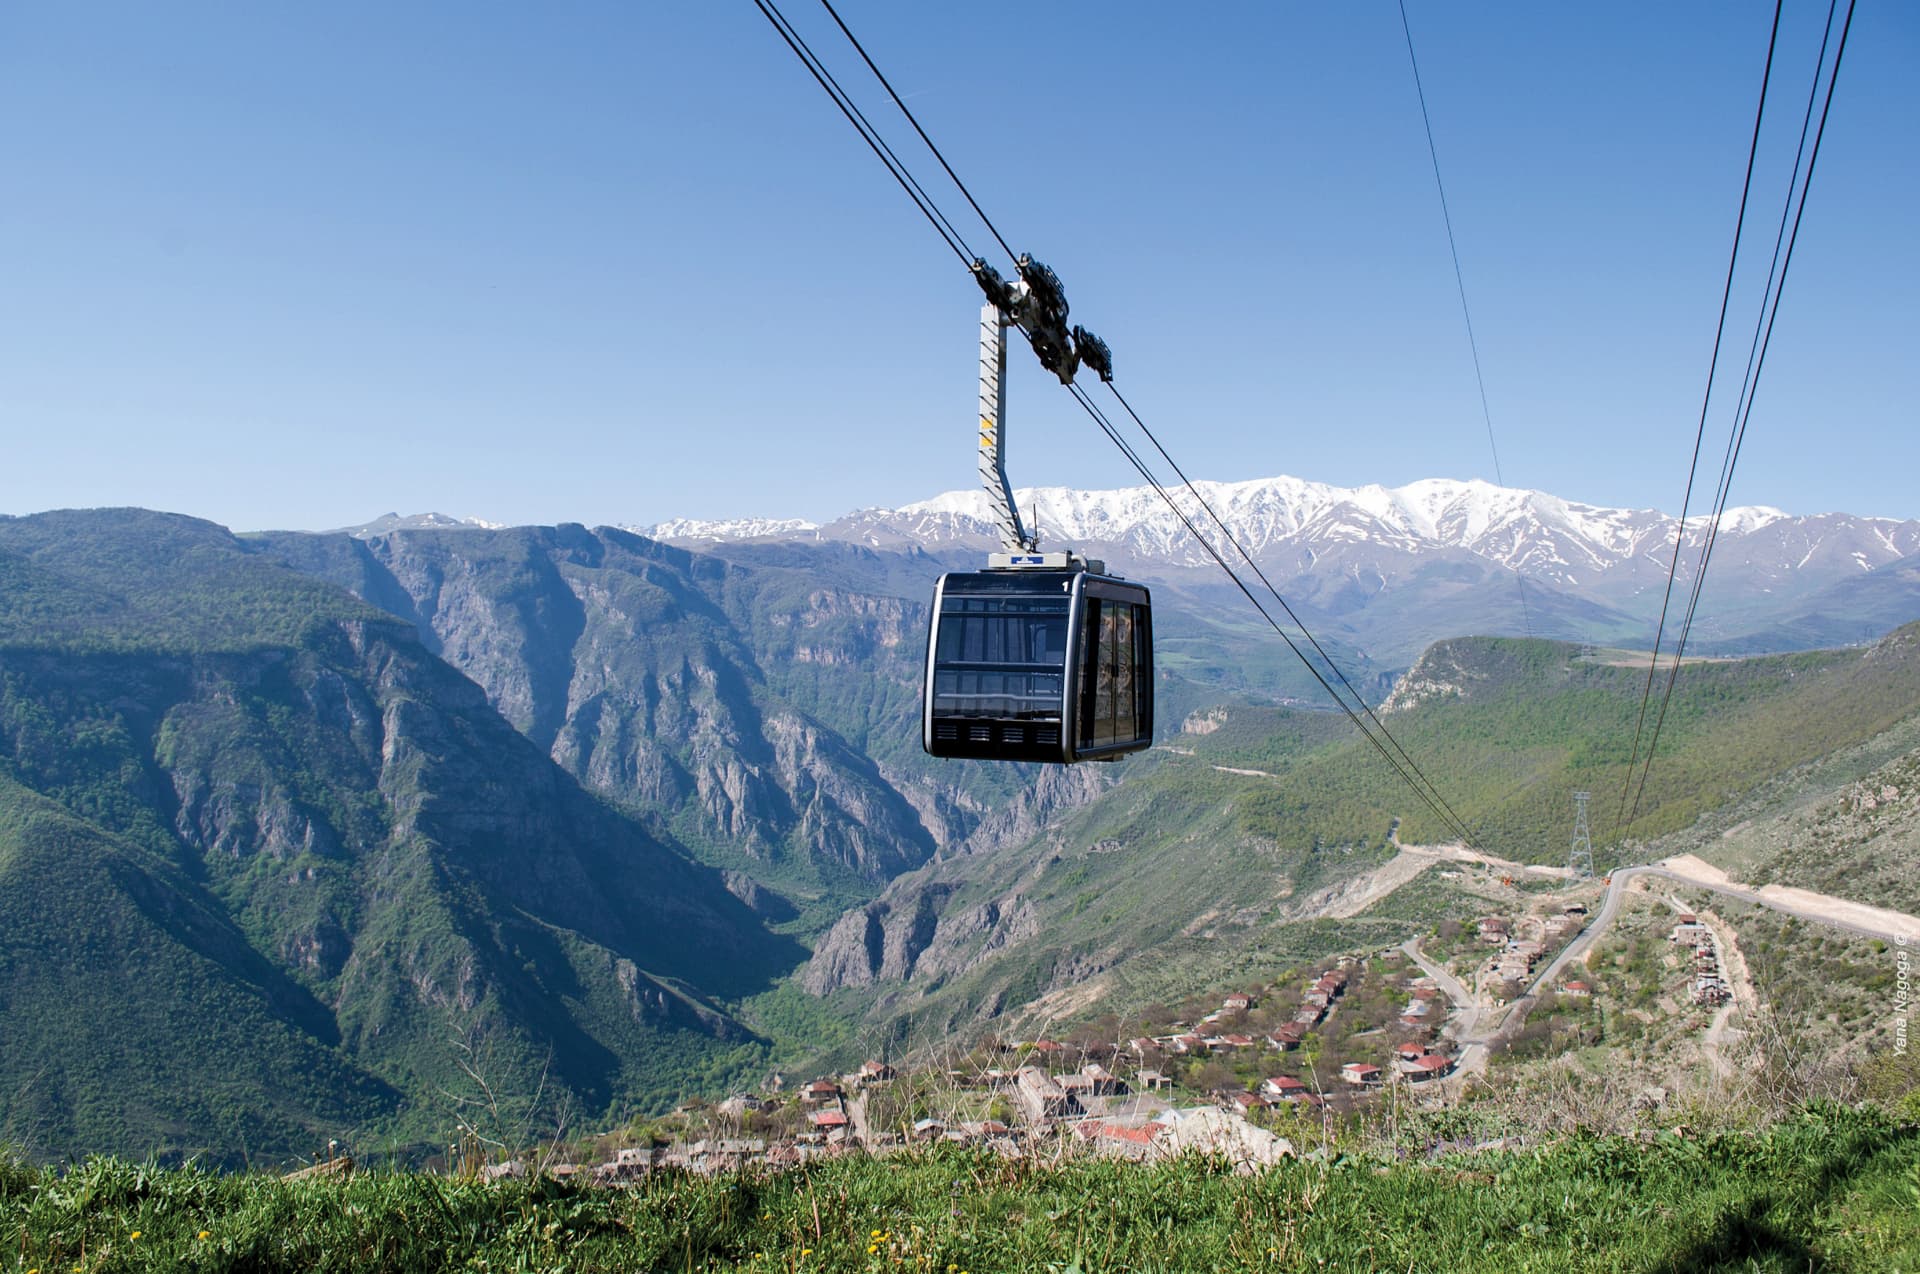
point(272, 868)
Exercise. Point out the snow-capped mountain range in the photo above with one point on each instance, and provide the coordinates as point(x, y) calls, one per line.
point(1541, 536)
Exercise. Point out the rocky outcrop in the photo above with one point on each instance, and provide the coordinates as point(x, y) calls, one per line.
point(913, 936)
point(763, 709)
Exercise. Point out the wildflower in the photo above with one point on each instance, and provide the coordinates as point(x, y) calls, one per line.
point(205, 1235)
point(875, 1234)
point(134, 1235)
point(872, 1248)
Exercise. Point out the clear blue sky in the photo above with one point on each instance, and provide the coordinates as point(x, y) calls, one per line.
point(295, 265)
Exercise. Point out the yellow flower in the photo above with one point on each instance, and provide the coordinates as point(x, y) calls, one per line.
point(134, 1235)
point(873, 1234)
point(205, 1235)
point(872, 1248)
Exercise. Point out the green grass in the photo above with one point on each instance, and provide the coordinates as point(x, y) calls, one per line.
point(1832, 1189)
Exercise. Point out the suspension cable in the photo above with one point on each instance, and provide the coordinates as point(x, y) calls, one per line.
point(1756, 362)
point(901, 103)
point(868, 133)
point(1427, 794)
point(1460, 281)
point(1262, 575)
point(1680, 529)
point(1434, 802)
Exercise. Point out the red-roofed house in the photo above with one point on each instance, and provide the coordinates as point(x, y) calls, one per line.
point(828, 1119)
point(1283, 1087)
point(1427, 1066)
point(1361, 1073)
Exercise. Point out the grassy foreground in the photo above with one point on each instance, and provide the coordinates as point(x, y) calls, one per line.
point(1830, 1190)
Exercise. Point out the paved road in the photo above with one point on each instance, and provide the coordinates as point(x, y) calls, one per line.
point(1598, 924)
point(1889, 933)
point(1468, 1015)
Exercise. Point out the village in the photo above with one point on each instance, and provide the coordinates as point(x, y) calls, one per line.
point(1228, 1081)
point(1235, 1078)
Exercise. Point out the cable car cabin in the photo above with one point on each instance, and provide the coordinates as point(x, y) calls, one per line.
point(1038, 665)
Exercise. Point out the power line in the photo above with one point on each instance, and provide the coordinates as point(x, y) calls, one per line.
point(1680, 530)
point(1757, 363)
point(1460, 281)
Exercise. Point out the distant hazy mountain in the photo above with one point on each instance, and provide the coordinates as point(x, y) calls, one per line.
point(1395, 568)
point(415, 522)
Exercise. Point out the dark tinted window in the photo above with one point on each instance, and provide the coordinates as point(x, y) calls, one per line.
point(1000, 656)
point(1116, 679)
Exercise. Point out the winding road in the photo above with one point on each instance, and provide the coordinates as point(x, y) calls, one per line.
point(1470, 1016)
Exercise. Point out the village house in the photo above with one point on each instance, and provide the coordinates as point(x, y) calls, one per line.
point(828, 1120)
point(1576, 989)
point(1361, 1074)
point(1041, 1096)
point(1118, 1139)
point(739, 1105)
point(1237, 1002)
point(820, 1092)
point(1241, 1102)
point(1152, 1081)
point(1425, 1067)
point(872, 1072)
point(1283, 1088)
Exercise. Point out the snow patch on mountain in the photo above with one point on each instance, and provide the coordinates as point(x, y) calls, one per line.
point(1287, 519)
point(728, 529)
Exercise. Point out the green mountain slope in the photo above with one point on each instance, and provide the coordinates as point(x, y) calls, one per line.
point(414, 888)
point(1251, 843)
point(138, 1018)
point(764, 711)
